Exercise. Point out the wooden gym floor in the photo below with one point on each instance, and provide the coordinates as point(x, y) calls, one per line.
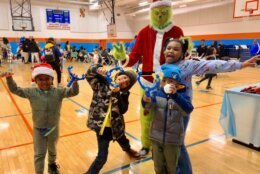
point(210, 151)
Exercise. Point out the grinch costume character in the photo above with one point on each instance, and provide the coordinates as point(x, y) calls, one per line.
point(149, 48)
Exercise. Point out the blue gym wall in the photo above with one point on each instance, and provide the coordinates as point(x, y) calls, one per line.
point(90, 46)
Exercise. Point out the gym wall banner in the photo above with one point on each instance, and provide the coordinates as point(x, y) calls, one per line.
point(58, 19)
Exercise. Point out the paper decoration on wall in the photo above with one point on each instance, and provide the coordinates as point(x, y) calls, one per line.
point(82, 12)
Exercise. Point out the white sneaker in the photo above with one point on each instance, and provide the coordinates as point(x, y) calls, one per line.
point(144, 152)
point(33, 84)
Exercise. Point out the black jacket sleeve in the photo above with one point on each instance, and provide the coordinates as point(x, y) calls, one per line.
point(123, 102)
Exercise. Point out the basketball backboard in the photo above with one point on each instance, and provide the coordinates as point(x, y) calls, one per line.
point(111, 30)
point(22, 25)
point(246, 8)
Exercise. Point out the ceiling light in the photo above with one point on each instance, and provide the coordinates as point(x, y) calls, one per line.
point(183, 5)
point(95, 4)
point(143, 3)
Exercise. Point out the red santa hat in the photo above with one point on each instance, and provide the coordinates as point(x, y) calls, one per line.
point(159, 3)
point(42, 68)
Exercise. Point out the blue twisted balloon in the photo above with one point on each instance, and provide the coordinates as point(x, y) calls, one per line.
point(149, 90)
point(73, 77)
point(109, 73)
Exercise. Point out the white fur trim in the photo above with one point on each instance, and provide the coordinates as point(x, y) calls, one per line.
point(145, 82)
point(42, 70)
point(157, 51)
point(126, 62)
point(161, 3)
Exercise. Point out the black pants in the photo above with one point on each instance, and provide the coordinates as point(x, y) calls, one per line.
point(56, 67)
point(208, 76)
point(103, 145)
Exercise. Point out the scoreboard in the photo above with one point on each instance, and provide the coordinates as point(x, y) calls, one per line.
point(58, 19)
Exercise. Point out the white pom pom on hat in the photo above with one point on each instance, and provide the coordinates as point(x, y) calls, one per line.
point(159, 3)
point(42, 68)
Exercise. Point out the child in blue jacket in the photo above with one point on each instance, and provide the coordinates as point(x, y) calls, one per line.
point(170, 105)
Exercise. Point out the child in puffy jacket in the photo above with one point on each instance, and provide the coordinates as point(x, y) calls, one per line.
point(170, 105)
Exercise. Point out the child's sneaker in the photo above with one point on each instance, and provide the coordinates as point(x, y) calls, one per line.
point(132, 153)
point(209, 88)
point(53, 168)
point(59, 85)
point(144, 152)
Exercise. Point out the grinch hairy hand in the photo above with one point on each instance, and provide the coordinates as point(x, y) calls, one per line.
point(119, 52)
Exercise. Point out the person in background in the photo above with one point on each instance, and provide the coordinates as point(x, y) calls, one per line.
point(97, 59)
point(202, 49)
point(255, 49)
point(6, 47)
point(73, 53)
point(25, 50)
point(35, 51)
point(222, 52)
point(212, 56)
point(1, 54)
point(67, 50)
point(52, 57)
point(62, 58)
point(215, 45)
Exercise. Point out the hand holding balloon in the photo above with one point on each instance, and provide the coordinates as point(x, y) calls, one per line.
point(73, 77)
point(109, 74)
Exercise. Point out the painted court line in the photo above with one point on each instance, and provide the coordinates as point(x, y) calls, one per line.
point(19, 145)
point(150, 158)
point(208, 105)
point(67, 135)
point(17, 108)
point(73, 101)
point(15, 115)
point(207, 92)
point(133, 137)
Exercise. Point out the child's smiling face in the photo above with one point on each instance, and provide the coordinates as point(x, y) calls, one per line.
point(44, 82)
point(173, 52)
point(123, 81)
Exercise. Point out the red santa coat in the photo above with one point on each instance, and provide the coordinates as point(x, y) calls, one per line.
point(149, 47)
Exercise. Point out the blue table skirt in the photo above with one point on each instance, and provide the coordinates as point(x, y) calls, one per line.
point(240, 115)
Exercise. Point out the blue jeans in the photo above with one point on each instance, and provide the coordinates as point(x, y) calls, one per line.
point(184, 164)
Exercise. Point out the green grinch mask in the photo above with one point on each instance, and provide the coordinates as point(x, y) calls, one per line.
point(160, 17)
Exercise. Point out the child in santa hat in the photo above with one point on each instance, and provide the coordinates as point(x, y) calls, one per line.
point(45, 101)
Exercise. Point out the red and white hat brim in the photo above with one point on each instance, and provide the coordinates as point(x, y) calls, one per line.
point(42, 70)
point(161, 3)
